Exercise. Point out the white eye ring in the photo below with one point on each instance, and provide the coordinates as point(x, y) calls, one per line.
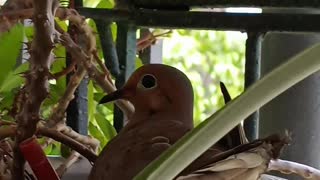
point(147, 82)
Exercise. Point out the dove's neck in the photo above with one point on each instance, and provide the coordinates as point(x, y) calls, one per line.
point(183, 115)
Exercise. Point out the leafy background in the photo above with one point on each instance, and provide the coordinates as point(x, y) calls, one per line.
point(207, 57)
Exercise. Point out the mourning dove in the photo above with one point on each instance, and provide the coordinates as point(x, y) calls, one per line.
point(163, 101)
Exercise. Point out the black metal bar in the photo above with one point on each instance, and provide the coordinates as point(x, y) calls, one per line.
point(252, 74)
point(77, 111)
point(126, 49)
point(108, 47)
point(210, 20)
point(226, 3)
point(153, 53)
point(145, 55)
point(78, 4)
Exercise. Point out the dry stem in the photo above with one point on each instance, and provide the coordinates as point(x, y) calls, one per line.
point(93, 72)
point(58, 112)
point(10, 131)
point(73, 144)
point(36, 87)
point(289, 167)
point(74, 156)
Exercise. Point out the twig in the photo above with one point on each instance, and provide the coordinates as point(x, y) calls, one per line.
point(10, 131)
point(74, 156)
point(58, 112)
point(72, 15)
point(86, 140)
point(73, 144)
point(6, 22)
point(88, 44)
point(149, 39)
point(84, 57)
point(65, 71)
point(7, 131)
point(103, 66)
point(93, 72)
point(289, 167)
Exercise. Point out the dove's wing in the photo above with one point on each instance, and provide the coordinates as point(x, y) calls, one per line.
point(245, 162)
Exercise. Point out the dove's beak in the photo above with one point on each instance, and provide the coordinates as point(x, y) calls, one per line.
point(118, 94)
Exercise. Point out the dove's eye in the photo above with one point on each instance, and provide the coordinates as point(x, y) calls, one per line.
point(148, 81)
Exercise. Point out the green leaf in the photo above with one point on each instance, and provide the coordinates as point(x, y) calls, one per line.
point(106, 4)
point(48, 149)
point(29, 31)
point(138, 62)
point(98, 97)
point(10, 48)
point(96, 133)
point(191, 146)
point(107, 129)
point(6, 100)
point(62, 24)
point(91, 102)
point(55, 149)
point(99, 3)
point(113, 27)
point(13, 79)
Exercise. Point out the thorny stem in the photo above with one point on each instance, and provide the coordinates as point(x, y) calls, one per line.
point(36, 87)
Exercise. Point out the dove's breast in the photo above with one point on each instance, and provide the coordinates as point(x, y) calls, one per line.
point(133, 149)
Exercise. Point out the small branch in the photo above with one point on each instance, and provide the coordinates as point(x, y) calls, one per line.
point(289, 167)
point(103, 66)
point(7, 21)
point(73, 144)
point(84, 57)
point(93, 72)
point(58, 112)
point(149, 39)
point(86, 140)
point(10, 131)
point(7, 131)
point(69, 132)
point(74, 156)
point(65, 71)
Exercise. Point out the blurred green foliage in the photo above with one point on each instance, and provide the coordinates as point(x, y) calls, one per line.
point(208, 57)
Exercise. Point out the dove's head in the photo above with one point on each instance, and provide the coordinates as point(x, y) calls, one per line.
point(157, 88)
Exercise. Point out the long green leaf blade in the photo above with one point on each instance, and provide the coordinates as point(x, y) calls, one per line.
point(173, 161)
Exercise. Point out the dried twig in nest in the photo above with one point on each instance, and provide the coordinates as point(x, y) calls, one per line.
point(288, 167)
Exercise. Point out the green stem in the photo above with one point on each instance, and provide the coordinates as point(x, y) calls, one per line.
point(191, 146)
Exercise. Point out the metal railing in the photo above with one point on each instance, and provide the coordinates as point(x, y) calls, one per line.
point(176, 14)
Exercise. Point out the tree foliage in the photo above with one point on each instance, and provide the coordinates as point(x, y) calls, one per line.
point(208, 57)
